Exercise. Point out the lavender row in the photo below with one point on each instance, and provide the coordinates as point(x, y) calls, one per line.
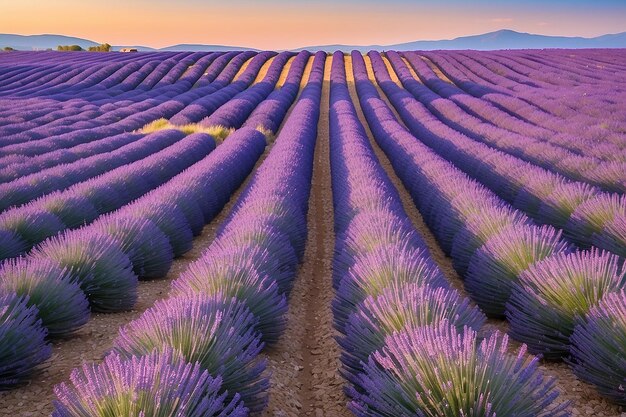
point(29, 165)
point(82, 203)
point(97, 266)
point(205, 106)
point(63, 176)
point(570, 128)
point(577, 103)
point(493, 246)
point(586, 214)
point(269, 114)
point(397, 312)
point(146, 105)
point(499, 130)
point(236, 111)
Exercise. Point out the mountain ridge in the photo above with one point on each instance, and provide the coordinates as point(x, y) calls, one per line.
point(500, 39)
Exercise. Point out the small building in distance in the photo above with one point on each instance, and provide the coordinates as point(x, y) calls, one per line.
point(128, 50)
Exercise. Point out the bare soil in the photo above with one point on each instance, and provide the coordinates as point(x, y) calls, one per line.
point(305, 362)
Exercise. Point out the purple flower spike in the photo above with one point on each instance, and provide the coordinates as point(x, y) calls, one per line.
point(401, 307)
point(599, 347)
point(145, 244)
point(435, 371)
point(373, 272)
point(496, 266)
point(159, 384)
point(31, 225)
point(478, 228)
point(74, 210)
point(591, 216)
point(553, 294)
point(613, 236)
point(11, 244)
point(563, 201)
point(216, 332)
point(169, 218)
point(258, 292)
point(22, 340)
point(61, 304)
point(98, 264)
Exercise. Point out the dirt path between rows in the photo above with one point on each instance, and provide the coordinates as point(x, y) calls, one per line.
point(305, 362)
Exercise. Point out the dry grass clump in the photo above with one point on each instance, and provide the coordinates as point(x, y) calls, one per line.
point(218, 132)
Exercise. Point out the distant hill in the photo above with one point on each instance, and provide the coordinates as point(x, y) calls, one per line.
point(202, 48)
point(36, 42)
point(47, 41)
point(501, 39)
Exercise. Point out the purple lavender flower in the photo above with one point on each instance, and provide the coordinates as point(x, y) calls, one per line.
point(435, 371)
point(563, 201)
point(22, 340)
point(478, 228)
point(31, 225)
point(73, 210)
point(61, 304)
point(216, 332)
point(158, 384)
point(11, 244)
point(258, 292)
point(591, 216)
point(373, 272)
point(613, 236)
point(98, 264)
point(599, 347)
point(168, 217)
point(554, 293)
point(496, 266)
point(142, 241)
point(400, 307)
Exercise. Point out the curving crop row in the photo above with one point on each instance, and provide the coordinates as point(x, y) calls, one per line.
point(97, 267)
point(582, 211)
point(85, 201)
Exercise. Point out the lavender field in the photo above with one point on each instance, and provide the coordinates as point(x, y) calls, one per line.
point(390, 234)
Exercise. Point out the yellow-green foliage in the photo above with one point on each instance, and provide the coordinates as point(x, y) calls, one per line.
point(269, 135)
point(69, 48)
point(218, 132)
point(104, 47)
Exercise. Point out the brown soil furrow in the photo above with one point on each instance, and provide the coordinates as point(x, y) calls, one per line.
point(305, 362)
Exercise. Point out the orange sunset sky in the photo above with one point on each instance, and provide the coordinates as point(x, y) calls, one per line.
point(283, 24)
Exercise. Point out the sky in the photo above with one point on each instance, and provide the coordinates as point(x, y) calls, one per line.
point(284, 24)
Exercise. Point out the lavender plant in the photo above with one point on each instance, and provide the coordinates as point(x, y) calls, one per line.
point(60, 304)
point(216, 332)
point(496, 266)
point(401, 307)
point(147, 247)
point(436, 371)
point(156, 385)
point(599, 347)
point(22, 340)
point(98, 264)
point(554, 294)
